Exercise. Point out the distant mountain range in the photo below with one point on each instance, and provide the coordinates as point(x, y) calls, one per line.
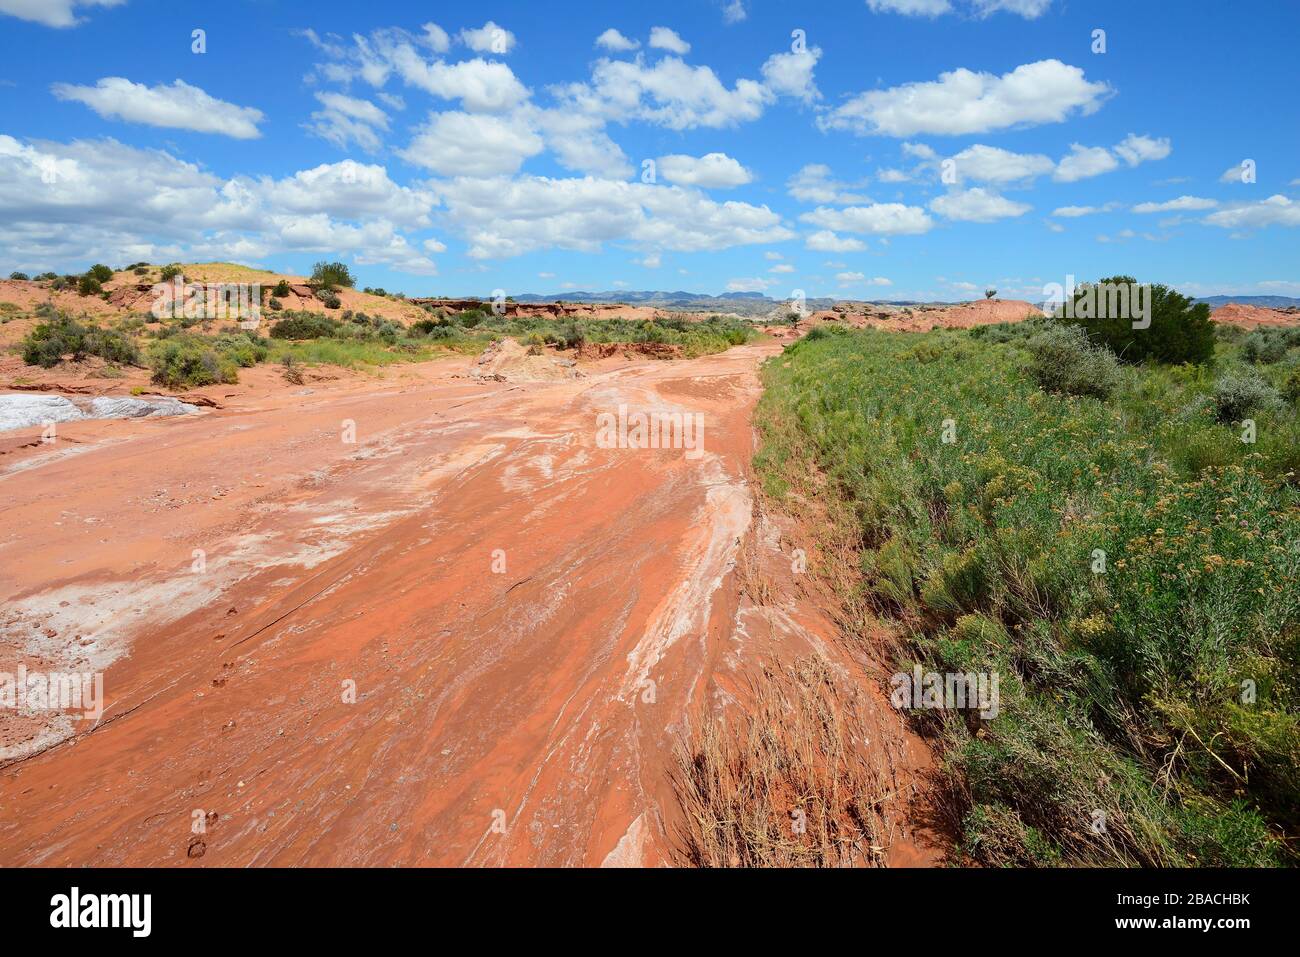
point(745, 303)
point(756, 303)
point(742, 303)
point(1268, 302)
point(637, 296)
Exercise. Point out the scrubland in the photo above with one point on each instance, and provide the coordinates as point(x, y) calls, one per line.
point(1119, 543)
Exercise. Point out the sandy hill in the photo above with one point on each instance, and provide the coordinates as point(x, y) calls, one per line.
point(1243, 314)
point(130, 292)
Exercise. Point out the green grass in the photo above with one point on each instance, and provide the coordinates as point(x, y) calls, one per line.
point(352, 354)
point(695, 338)
point(180, 358)
point(1123, 694)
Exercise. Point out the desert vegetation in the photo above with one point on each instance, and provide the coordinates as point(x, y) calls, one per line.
point(792, 756)
point(1118, 541)
point(185, 352)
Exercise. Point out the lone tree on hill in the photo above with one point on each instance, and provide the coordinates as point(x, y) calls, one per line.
point(331, 275)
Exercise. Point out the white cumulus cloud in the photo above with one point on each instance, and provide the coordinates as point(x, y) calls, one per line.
point(881, 219)
point(814, 183)
point(472, 144)
point(990, 164)
point(963, 101)
point(612, 40)
point(1180, 205)
point(711, 171)
point(1084, 162)
point(178, 106)
point(826, 241)
point(488, 38)
point(662, 38)
point(977, 205)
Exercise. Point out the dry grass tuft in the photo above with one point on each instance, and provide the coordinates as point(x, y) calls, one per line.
point(801, 746)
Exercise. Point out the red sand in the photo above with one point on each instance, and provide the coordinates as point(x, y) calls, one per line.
point(500, 716)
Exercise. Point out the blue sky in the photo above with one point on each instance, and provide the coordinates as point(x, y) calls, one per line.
point(886, 149)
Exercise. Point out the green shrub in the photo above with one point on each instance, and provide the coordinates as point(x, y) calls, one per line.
point(183, 363)
point(1180, 330)
point(111, 345)
point(1291, 386)
point(1064, 360)
point(1267, 346)
point(329, 300)
point(327, 275)
point(100, 272)
point(469, 318)
point(18, 275)
point(1239, 392)
point(304, 325)
point(88, 285)
point(281, 289)
point(61, 335)
point(170, 272)
point(244, 349)
point(49, 342)
point(824, 332)
point(274, 304)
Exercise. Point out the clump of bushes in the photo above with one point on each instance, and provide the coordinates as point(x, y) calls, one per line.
point(18, 275)
point(49, 342)
point(170, 272)
point(184, 362)
point(88, 285)
point(100, 272)
point(61, 335)
point(1267, 346)
point(281, 289)
point(1240, 392)
point(245, 349)
point(304, 325)
point(569, 335)
point(1180, 330)
point(1291, 386)
point(329, 300)
point(1065, 360)
point(824, 332)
